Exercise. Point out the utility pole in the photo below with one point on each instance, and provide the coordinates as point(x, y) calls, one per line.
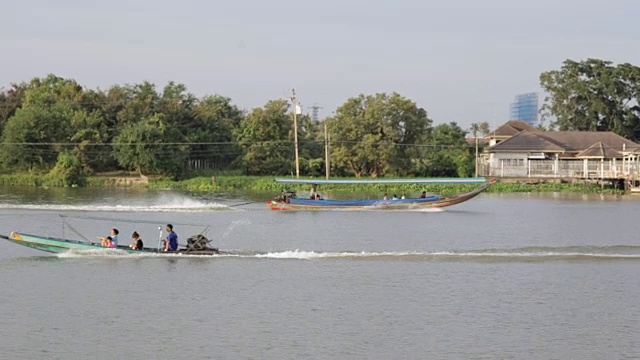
point(314, 117)
point(326, 150)
point(475, 135)
point(295, 129)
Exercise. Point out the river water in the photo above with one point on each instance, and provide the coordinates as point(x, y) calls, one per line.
point(512, 276)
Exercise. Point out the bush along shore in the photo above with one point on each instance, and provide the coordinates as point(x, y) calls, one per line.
point(267, 183)
point(261, 183)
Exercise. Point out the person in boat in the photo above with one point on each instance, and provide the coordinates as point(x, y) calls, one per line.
point(403, 196)
point(423, 195)
point(385, 197)
point(109, 242)
point(137, 242)
point(314, 194)
point(171, 242)
point(113, 237)
point(394, 197)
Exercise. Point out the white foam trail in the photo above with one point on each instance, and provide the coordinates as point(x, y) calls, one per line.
point(307, 255)
point(435, 210)
point(411, 255)
point(121, 208)
point(106, 252)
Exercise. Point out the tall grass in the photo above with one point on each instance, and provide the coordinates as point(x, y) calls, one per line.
point(264, 183)
point(233, 181)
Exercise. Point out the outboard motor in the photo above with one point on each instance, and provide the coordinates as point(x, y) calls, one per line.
point(197, 243)
point(285, 195)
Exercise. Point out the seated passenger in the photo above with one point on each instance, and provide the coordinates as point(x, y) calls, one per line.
point(113, 237)
point(423, 195)
point(109, 242)
point(137, 242)
point(171, 241)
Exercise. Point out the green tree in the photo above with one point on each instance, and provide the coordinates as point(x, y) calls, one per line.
point(376, 134)
point(450, 154)
point(35, 134)
point(265, 137)
point(215, 119)
point(94, 144)
point(10, 101)
point(150, 146)
point(176, 106)
point(593, 95)
point(140, 102)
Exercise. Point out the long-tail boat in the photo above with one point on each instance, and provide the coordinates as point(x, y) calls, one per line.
point(288, 200)
point(196, 245)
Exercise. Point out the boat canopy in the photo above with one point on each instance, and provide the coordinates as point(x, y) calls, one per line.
point(477, 180)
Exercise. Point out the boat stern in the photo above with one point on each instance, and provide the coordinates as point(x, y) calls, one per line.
point(276, 205)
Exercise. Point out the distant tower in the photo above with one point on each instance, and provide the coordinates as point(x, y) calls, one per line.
point(525, 107)
point(314, 112)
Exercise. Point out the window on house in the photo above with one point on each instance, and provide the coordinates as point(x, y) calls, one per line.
point(513, 162)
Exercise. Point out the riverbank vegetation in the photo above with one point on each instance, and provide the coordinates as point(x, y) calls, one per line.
point(262, 183)
point(232, 181)
point(55, 132)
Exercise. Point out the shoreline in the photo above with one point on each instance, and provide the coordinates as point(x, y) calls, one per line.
point(266, 183)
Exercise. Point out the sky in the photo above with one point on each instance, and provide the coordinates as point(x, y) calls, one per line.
point(461, 60)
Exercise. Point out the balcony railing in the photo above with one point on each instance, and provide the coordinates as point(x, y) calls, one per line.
point(592, 169)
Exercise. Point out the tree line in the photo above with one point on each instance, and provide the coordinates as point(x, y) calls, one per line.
point(55, 125)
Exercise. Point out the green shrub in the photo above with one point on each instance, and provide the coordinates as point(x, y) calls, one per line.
point(67, 172)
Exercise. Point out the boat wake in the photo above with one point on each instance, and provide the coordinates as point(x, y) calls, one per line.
point(186, 206)
point(526, 254)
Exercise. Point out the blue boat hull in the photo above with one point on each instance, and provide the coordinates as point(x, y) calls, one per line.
point(360, 203)
point(435, 201)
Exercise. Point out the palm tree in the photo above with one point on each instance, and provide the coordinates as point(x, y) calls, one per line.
point(482, 128)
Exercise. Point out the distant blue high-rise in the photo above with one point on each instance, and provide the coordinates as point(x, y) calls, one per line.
point(525, 107)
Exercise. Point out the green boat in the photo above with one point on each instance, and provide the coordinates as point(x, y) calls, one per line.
point(196, 245)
